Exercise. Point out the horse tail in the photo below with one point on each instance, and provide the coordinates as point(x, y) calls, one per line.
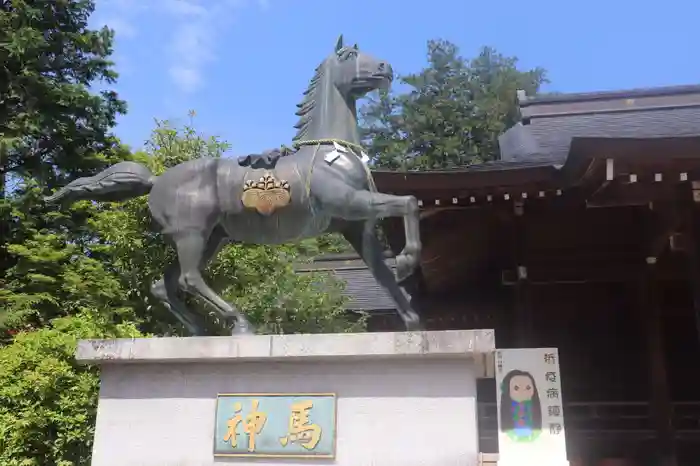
point(122, 181)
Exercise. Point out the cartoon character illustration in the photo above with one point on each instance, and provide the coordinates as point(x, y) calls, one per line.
point(521, 412)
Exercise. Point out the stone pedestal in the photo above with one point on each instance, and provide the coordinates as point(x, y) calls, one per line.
point(402, 399)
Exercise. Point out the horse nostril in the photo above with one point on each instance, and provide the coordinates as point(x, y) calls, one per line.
point(385, 69)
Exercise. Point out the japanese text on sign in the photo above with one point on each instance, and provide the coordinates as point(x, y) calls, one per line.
point(272, 425)
point(253, 425)
point(553, 410)
point(300, 428)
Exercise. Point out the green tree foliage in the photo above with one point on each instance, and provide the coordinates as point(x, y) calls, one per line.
point(48, 117)
point(47, 401)
point(452, 113)
point(52, 127)
point(330, 243)
point(56, 269)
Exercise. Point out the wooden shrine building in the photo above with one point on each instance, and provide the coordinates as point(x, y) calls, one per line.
point(584, 235)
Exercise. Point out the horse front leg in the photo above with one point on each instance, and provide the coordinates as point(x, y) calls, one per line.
point(363, 239)
point(349, 204)
point(409, 259)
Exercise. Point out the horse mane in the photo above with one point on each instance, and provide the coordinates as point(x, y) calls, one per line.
point(308, 102)
point(307, 105)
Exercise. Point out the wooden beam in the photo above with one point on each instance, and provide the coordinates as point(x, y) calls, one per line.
point(521, 293)
point(578, 273)
point(692, 246)
point(661, 222)
point(660, 396)
point(669, 222)
point(431, 212)
point(451, 181)
point(622, 192)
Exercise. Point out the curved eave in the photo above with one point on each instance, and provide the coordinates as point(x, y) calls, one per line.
point(585, 153)
point(474, 178)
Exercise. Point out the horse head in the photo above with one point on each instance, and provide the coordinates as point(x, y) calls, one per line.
point(355, 73)
point(344, 76)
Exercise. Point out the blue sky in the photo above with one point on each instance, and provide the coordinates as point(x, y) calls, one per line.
point(243, 64)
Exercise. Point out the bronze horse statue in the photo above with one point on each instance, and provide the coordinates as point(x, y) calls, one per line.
point(324, 185)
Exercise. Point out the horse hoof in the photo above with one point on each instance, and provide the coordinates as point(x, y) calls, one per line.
point(246, 329)
point(414, 327)
point(404, 267)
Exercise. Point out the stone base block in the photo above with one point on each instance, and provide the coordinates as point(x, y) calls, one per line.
point(403, 399)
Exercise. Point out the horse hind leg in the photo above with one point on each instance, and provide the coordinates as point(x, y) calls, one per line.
point(166, 289)
point(194, 250)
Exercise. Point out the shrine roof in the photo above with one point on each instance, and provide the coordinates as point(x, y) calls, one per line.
point(559, 135)
point(610, 94)
point(361, 289)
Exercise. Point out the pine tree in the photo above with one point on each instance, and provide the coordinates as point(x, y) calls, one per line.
point(52, 128)
point(453, 112)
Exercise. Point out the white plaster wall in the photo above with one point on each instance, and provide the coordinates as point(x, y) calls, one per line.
point(163, 415)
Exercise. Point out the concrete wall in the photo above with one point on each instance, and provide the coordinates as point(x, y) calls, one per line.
point(391, 412)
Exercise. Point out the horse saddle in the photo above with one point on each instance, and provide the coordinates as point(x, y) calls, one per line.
point(267, 159)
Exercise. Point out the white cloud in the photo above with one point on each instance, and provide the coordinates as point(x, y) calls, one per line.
point(194, 26)
point(186, 78)
point(120, 16)
point(123, 28)
point(186, 8)
point(123, 64)
point(197, 24)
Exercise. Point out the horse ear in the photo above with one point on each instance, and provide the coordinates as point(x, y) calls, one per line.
point(339, 43)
